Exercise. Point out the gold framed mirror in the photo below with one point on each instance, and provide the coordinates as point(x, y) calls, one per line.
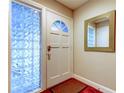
point(99, 34)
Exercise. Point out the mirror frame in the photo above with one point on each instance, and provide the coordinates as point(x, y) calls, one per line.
point(112, 29)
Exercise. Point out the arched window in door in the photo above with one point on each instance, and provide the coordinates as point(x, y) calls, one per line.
point(59, 25)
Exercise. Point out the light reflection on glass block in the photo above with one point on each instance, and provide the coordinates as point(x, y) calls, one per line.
point(25, 37)
point(36, 45)
point(91, 37)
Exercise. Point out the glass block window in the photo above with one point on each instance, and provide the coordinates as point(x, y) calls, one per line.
point(91, 36)
point(59, 25)
point(25, 49)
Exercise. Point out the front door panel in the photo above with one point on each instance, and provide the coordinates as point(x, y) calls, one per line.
point(59, 58)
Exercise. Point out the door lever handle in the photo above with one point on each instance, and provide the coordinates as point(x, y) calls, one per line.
point(49, 48)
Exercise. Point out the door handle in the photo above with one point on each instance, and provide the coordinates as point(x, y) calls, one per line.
point(49, 49)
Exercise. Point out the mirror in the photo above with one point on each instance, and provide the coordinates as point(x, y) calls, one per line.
point(99, 34)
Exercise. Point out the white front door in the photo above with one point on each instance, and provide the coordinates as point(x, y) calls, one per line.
point(59, 48)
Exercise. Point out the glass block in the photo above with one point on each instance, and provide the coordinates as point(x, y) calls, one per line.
point(17, 44)
point(36, 36)
point(27, 44)
point(36, 53)
point(36, 45)
point(28, 36)
point(27, 53)
point(28, 62)
point(91, 37)
point(25, 37)
point(17, 53)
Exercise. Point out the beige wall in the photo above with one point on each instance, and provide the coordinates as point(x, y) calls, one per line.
point(52, 4)
point(99, 67)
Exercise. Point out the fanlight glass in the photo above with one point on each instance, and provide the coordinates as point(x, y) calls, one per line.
point(59, 25)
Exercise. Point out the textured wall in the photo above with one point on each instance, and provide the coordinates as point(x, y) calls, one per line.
point(99, 67)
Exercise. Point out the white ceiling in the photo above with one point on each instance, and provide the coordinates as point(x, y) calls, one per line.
point(72, 4)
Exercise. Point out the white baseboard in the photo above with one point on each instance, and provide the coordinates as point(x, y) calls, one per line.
point(93, 84)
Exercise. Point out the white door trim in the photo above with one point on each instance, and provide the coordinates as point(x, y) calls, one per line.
point(44, 48)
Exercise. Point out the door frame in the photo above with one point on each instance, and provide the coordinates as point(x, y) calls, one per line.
point(43, 10)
